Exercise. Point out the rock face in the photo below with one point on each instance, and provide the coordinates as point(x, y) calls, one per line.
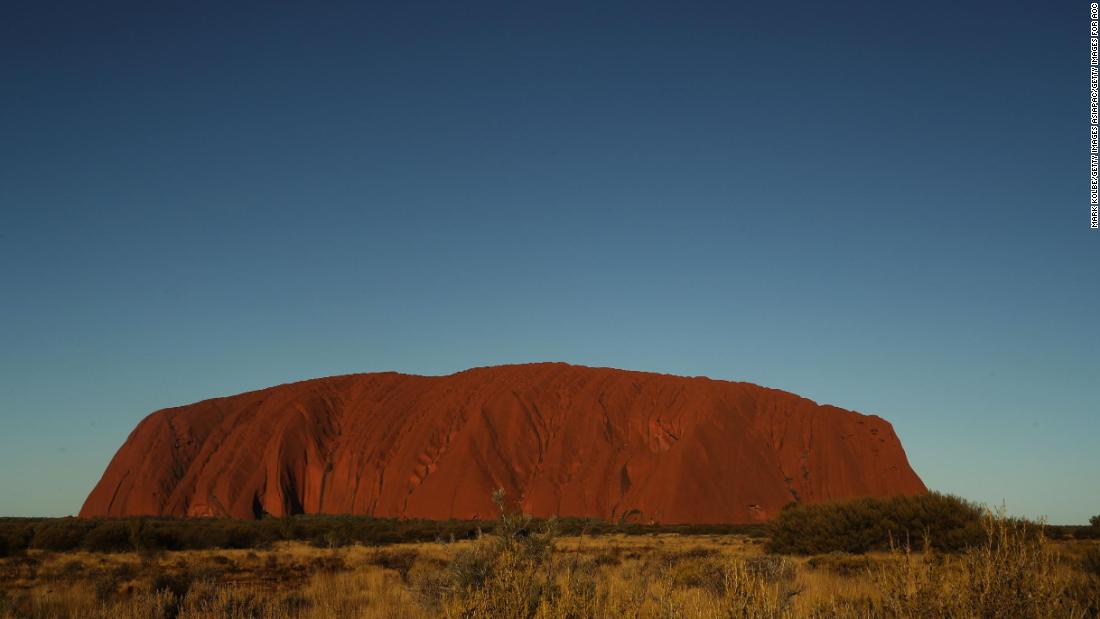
point(560, 439)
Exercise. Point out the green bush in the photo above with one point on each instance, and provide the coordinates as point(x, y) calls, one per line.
point(147, 534)
point(858, 526)
point(109, 536)
point(15, 536)
point(1092, 531)
point(1090, 562)
point(61, 535)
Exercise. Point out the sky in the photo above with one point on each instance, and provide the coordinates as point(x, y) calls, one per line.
point(882, 206)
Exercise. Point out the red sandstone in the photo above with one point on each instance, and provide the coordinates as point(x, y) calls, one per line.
point(560, 439)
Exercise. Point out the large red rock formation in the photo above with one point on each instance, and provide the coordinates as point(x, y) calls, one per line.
point(560, 439)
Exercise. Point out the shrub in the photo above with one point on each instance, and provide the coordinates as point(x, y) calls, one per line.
point(858, 526)
point(770, 568)
point(401, 561)
point(1012, 573)
point(1092, 531)
point(176, 583)
point(1090, 562)
point(695, 552)
point(109, 536)
point(503, 575)
point(327, 564)
point(611, 557)
point(327, 531)
point(747, 594)
point(107, 585)
point(841, 564)
point(61, 535)
point(15, 535)
point(698, 572)
point(430, 582)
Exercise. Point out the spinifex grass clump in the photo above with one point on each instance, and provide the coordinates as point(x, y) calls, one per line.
point(505, 574)
point(1013, 574)
point(517, 573)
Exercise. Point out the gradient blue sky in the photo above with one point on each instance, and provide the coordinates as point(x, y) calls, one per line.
point(877, 205)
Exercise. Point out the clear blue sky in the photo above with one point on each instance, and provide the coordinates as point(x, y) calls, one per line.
point(877, 205)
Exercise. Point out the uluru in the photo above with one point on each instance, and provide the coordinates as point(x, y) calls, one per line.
point(560, 439)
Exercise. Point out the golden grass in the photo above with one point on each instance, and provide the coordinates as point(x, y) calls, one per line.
point(536, 575)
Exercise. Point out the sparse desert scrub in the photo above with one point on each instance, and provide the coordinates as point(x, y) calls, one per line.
point(526, 569)
point(1015, 573)
point(322, 531)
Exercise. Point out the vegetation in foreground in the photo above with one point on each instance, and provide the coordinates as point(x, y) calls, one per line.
point(18, 535)
point(943, 522)
point(529, 569)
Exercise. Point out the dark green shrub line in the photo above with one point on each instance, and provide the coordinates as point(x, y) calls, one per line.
point(854, 526)
point(947, 523)
point(148, 534)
